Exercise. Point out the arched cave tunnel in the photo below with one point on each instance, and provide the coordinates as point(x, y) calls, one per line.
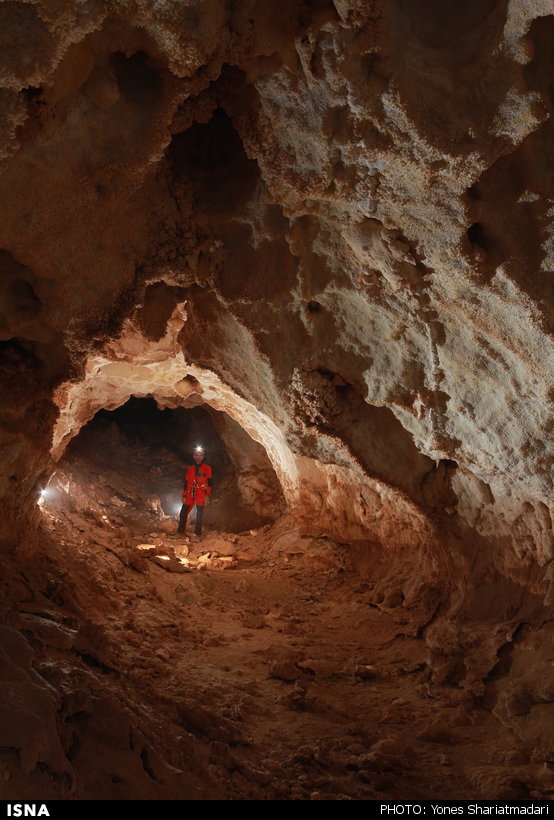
point(127, 467)
point(315, 238)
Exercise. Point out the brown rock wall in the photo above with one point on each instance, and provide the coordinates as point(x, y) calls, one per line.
point(331, 221)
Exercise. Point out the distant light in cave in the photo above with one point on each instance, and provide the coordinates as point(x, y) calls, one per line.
point(47, 493)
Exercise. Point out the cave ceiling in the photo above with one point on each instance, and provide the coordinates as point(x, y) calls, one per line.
point(334, 219)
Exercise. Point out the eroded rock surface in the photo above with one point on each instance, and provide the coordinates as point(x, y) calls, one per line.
point(331, 223)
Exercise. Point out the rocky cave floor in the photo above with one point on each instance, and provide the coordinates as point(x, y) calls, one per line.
point(264, 677)
point(247, 665)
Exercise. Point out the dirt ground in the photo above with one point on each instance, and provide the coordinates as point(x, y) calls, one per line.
point(249, 666)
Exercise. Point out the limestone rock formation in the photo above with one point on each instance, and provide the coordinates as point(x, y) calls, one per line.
point(330, 223)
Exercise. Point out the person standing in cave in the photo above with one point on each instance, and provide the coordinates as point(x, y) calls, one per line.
point(196, 492)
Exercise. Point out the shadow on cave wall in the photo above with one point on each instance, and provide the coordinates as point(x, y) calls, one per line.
point(210, 174)
point(510, 203)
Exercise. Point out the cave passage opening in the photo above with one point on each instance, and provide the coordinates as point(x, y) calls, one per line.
point(126, 467)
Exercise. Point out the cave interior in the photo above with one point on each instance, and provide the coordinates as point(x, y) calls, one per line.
point(315, 238)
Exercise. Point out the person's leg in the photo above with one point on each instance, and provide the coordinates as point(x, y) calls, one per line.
point(199, 516)
point(183, 518)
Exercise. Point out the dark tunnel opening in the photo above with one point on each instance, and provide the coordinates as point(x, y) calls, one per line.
point(127, 467)
point(210, 158)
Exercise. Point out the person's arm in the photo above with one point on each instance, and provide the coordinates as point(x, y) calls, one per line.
point(185, 486)
point(209, 482)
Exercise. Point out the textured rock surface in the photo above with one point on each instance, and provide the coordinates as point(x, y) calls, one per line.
point(258, 665)
point(332, 221)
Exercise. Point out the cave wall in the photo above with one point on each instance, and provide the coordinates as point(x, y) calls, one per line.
point(330, 220)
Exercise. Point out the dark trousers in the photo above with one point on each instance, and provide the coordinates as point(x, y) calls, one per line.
point(184, 517)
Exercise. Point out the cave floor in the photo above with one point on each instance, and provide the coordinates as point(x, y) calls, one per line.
point(271, 678)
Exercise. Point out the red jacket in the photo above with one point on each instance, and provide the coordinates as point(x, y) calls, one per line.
point(198, 484)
